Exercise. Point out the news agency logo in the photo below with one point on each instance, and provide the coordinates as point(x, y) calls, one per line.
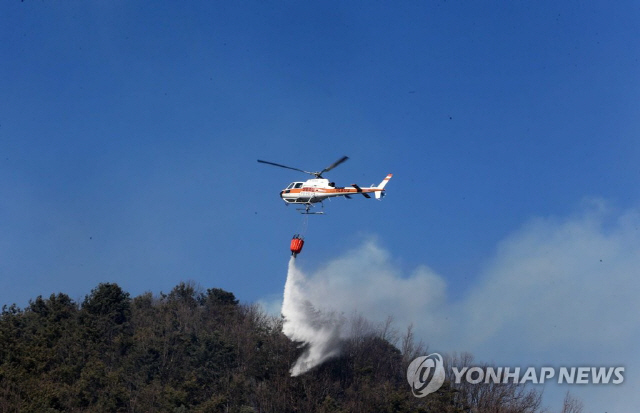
point(426, 374)
point(568, 375)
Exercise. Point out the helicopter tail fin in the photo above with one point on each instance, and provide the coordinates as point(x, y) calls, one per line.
point(379, 194)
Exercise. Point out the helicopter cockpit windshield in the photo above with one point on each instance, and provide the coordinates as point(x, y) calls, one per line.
point(295, 185)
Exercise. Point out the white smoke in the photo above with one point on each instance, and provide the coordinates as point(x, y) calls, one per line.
point(558, 291)
point(317, 330)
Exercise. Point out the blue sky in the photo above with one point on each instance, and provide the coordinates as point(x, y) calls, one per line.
point(129, 134)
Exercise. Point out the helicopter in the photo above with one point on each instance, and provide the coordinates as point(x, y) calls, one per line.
point(318, 188)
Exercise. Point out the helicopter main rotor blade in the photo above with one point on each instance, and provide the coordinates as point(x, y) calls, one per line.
point(333, 165)
point(284, 166)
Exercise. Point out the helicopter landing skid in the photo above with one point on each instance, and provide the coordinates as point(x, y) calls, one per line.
point(307, 207)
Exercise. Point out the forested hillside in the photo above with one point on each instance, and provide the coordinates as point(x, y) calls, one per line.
point(202, 351)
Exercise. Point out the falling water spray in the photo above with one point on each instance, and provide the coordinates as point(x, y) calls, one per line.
point(317, 331)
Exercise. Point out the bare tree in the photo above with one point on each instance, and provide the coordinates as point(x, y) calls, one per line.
point(388, 333)
point(486, 396)
point(409, 348)
point(571, 404)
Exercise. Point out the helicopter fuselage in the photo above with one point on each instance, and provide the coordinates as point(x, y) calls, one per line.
point(319, 189)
